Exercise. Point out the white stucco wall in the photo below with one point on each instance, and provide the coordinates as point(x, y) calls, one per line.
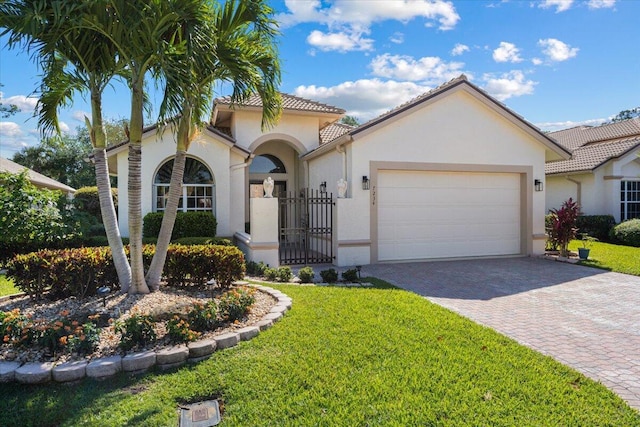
point(600, 189)
point(156, 150)
point(301, 128)
point(456, 129)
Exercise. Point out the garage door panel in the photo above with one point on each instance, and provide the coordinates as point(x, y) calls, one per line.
point(425, 215)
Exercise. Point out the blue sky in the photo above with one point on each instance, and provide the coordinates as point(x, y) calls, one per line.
point(557, 63)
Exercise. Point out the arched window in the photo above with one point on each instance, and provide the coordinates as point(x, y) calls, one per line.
point(198, 188)
point(267, 163)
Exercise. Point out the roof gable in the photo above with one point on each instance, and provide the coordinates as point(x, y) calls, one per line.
point(459, 83)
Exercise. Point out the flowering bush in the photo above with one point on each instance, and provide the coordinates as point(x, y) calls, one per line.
point(204, 317)
point(235, 303)
point(179, 330)
point(136, 330)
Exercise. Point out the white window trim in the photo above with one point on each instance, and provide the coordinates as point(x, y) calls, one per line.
point(184, 196)
point(624, 198)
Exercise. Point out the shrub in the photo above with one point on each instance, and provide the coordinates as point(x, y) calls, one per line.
point(188, 224)
point(204, 317)
point(285, 274)
point(329, 276)
point(306, 274)
point(598, 226)
point(196, 264)
point(627, 232)
point(136, 330)
point(203, 241)
point(179, 331)
point(86, 199)
point(256, 268)
point(234, 304)
point(31, 218)
point(563, 225)
point(271, 274)
point(350, 276)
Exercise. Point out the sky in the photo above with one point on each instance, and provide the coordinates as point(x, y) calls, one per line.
point(557, 63)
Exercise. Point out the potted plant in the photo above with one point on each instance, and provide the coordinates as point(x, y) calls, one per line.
point(583, 252)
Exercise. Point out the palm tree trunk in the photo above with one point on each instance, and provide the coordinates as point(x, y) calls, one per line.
point(107, 208)
point(110, 220)
point(138, 283)
point(168, 220)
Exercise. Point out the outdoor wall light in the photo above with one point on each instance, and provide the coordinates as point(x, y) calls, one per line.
point(323, 187)
point(365, 183)
point(538, 185)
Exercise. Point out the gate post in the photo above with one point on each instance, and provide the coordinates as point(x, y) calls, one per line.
point(264, 231)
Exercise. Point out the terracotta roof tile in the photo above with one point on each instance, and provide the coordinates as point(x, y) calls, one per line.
point(590, 156)
point(593, 146)
point(578, 136)
point(289, 102)
point(333, 131)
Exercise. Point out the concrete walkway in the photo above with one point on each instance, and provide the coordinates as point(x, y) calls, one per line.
point(586, 318)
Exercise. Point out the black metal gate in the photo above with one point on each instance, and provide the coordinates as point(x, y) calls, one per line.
point(306, 224)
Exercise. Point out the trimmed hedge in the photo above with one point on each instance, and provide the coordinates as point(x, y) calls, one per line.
point(86, 199)
point(598, 226)
point(203, 241)
point(627, 232)
point(79, 272)
point(188, 224)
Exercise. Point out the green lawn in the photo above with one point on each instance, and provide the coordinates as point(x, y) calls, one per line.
point(6, 286)
point(344, 357)
point(622, 259)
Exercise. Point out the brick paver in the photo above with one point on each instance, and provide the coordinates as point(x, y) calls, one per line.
point(586, 318)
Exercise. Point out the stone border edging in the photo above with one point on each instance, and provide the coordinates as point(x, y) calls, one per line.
point(164, 359)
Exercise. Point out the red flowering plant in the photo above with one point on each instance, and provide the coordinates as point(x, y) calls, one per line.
point(563, 225)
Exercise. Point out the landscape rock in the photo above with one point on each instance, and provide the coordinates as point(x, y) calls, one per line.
point(249, 332)
point(34, 373)
point(227, 340)
point(70, 371)
point(201, 348)
point(7, 371)
point(137, 362)
point(104, 367)
point(172, 355)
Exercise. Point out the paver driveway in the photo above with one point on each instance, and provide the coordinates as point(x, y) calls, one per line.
point(586, 318)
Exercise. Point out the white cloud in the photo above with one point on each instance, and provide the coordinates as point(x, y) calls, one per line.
point(537, 61)
point(13, 138)
point(341, 41)
point(397, 38)
point(365, 99)
point(459, 49)
point(79, 115)
point(560, 5)
point(554, 126)
point(557, 51)
point(26, 104)
point(601, 4)
point(427, 70)
point(507, 52)
point(508, 85)
point(364, 13)
point(64, 128)
point(348, 20)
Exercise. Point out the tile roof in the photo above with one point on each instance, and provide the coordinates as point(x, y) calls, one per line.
point(333, 131)
point(36, 178)
point(578, 136)
point(593, 146)
point(289, 102)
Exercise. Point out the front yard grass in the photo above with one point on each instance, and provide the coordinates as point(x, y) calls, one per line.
point(344, 357)
point(618, 258)
point(6, 286)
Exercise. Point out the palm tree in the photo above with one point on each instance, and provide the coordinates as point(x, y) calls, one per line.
point(73, 60)
point(234, 43)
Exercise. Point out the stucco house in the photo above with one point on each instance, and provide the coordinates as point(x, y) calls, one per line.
point(603, 173)
point(36, 178)
point(450, 174)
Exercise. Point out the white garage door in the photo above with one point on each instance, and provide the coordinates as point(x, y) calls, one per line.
point(423, 215)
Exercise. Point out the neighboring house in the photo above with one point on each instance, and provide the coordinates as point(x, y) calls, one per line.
point(37, 179)
point(603, 173)
point(449, 174)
